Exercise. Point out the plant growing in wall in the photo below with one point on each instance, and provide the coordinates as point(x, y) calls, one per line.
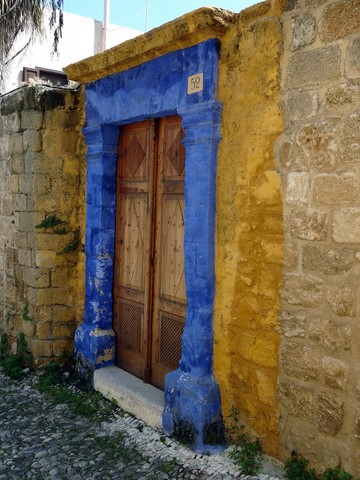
point(53, 222)
point(246, 453)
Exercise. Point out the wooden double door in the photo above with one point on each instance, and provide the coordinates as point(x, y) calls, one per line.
point(149, 283)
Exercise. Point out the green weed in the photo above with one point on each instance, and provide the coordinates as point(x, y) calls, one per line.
point(25, 314)
point(4, 346)
point(50, 221)
point(246, 453)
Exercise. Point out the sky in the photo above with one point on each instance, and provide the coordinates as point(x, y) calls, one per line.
point(132, 13)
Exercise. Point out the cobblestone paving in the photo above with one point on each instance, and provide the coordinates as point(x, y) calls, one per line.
point(41, 440)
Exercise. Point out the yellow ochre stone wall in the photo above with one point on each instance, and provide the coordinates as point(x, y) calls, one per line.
point(249, 232)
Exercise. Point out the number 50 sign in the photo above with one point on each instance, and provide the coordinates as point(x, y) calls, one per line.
point(195, 83)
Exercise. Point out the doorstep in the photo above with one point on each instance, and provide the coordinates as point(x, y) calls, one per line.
point(131, 394)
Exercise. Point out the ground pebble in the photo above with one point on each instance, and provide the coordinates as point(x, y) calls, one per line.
point(44, 441)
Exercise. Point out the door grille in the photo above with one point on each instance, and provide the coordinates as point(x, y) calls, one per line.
point(130, 318)
point(171, 329)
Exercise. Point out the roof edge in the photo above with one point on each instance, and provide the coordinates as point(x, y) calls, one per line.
point(185, 31)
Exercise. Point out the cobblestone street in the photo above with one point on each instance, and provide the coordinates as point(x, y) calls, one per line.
point(42, 440)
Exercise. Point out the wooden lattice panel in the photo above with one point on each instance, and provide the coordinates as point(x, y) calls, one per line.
point(130, 319)
point(171, 329)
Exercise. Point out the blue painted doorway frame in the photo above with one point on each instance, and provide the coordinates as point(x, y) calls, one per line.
point(158, 88)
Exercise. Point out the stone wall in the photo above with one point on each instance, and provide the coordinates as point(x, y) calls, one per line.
point(319, 160)
point(41, 174)
point(249, 236)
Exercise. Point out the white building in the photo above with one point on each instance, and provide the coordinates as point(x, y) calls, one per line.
point(82, 37)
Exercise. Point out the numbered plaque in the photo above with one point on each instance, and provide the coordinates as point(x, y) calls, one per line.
point(195, 83)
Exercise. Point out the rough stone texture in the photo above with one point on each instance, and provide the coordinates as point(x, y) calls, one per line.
point(339, 20)
point(302, 105)
point(31, 191)
point(346, 225)
point(305, 290)
point(349, 139)
point(300, 361)
point(352, 65)
point(341, 300)
point(299, 401)
point(303, 30)
point(334, 189)
point(297, 187)
point(336, 372)
point(314, 67)
point(318, 144)
point(330, 413)
point(326, 260)
point(310, 225)
point(329, 335)
point(293, 323)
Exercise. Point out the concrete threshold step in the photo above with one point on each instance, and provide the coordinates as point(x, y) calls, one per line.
point(132, 394)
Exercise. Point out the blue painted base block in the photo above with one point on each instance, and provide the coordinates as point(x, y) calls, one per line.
point(192, 411)
point(94, 348)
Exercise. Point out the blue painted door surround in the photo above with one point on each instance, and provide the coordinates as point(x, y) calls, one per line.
point(155, 89)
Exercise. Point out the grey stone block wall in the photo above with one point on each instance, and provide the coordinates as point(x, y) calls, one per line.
point(319, 160)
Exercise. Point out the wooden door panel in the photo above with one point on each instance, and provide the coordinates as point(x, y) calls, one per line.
point(172, 284)
point(133, 246)
point(149, 283)
point(132, 241)
point(169, 309)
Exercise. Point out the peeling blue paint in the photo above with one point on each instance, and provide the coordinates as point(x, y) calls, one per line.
point(156, 89)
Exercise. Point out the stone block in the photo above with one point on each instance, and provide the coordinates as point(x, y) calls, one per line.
point(329, 413)
point(299, 401)
point(303, 30)
point(318, 144)
point(12, 123)
point(291, 4)
point(340, 20)
point(14, 184)
point(352, 63)
point(266, 389)
point(341, 300)
point(297, 441)
point(48, 259)
point(357, 424)
point(25, 257)
point(336, 372)
point(26, 183)
point(334, 189)
point(63, 314)
point(292, 323)
point(302, 105)
point(297, 187)
point(41, 313)
point(44, 330)
point(63, 330)
point(315, 67)
point(31, 119)
point(299, 361)
point(291, 254)
point(42, 348)
point(349, 139)
point(60, 277)
point(37, 277)
point(305, 290)
point(8, 206)
point(42, 185)
point(19, 202)
point(63, 347)
point(32, 141)
point(329, 335)
point(309, 225)
point(16, 144)
point(17, 164)
point(327, 260)
point(28, 328)
point(314, 3)
point(346, 225)
point(49, 296)
point(343, 97)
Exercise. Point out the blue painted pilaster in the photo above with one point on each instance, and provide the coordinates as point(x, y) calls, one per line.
point(95, 339)
point(192, 395)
